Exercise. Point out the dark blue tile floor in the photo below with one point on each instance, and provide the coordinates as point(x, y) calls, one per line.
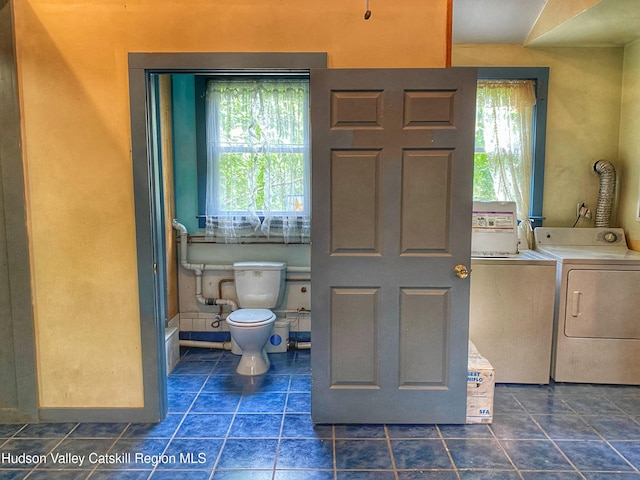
point(225, 427)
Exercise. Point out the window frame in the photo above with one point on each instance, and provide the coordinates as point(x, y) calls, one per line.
point(201, 81)
point(540, 75)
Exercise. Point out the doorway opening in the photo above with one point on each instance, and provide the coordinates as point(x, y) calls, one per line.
point(145, 73)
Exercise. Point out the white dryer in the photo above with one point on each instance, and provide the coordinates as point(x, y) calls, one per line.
point(597, 306)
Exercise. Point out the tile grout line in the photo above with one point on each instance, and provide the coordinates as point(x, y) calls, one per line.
point(35, 467)
point(335, 459)
point(184, 416)
point(113, 444)
point(553, 442)
point(233, 418)
point(446, 448)
point(493, 435)
point(188, 410)
point(393, 459)
point(582, 416)
point(13, 435)
point(284, 409)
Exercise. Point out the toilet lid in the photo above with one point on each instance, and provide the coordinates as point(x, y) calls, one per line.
point(251, 316)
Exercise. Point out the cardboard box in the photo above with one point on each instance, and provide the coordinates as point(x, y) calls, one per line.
point(480, 388)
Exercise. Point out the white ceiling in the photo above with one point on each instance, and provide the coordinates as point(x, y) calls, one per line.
point(605, 23)
point(494, 21)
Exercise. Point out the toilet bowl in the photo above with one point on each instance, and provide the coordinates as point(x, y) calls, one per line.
point(251, 329)
point(259, 287)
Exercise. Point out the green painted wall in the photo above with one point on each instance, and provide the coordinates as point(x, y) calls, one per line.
point(185, 173)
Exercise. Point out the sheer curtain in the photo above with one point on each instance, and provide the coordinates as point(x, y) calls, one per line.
point(505, 109)
point(258, 160)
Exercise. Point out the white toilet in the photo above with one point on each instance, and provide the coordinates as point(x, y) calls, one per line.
point(259, 287)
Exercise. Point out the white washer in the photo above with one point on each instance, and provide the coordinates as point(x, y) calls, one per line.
point(510, 323)
point(596, 319)
point(511, 315)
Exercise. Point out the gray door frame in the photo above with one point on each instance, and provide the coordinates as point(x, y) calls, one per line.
point(18, 389)
point(149, 195)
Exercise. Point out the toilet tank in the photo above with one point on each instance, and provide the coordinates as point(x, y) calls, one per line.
point(259, 284)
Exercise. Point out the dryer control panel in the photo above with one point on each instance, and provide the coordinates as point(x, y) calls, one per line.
point(580, 237)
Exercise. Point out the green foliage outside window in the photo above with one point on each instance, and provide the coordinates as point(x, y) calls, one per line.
point(244, 177)
point(482, 180)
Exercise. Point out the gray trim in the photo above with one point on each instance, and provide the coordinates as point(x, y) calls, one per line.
point(16, 313)
point(206, 62)
point(151, 323)
point(93, 415)
point(148, 196)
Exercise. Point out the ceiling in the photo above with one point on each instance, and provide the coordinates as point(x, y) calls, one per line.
point(547, 23)
point(494, 21)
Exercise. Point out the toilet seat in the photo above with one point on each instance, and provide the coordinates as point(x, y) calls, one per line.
point(251, 317)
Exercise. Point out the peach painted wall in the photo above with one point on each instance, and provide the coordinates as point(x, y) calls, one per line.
point(72, 65)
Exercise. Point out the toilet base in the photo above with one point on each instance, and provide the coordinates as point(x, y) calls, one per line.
point(253, 363)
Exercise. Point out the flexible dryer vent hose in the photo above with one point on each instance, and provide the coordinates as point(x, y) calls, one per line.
point(606, 195)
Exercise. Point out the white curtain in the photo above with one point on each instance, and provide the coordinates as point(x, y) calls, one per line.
point(258, 160)
point(505, 108)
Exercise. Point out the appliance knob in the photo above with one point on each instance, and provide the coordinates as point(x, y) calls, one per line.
point(610, 237)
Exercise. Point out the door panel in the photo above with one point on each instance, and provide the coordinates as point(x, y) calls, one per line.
point(392, 187)
point(428, 109)
point(354, 320)
point(602, 304)
point(356, 109)
point(354, 202)
point(425, 190)
point(423, 337)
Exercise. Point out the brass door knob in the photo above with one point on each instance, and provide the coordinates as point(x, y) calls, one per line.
point(461, 271)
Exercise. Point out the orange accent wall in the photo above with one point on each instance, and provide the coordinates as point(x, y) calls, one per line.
point(72, 66)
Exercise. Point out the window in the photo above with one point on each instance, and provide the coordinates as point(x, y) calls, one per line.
point(258, 159)
point(510, 138)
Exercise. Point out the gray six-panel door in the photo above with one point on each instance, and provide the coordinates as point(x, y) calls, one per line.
point(392, 164)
